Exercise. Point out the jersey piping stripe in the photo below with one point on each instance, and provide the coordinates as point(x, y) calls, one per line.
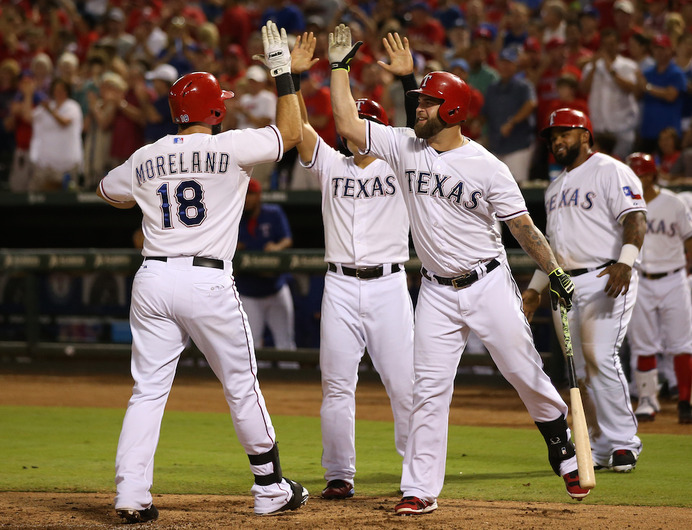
point(103, 191)
point(367, 138)
point(512, 215)
point(628, 210)
point(252, 371)
point(314, 155)
point(281, 142)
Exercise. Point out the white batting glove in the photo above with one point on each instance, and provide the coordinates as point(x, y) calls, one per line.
point(340, 51)
point(276, 56)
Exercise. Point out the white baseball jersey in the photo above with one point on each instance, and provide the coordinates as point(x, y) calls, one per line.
point(663, 312)
point(365, 224)
point(454, 198)
point(363, 210)
point(585, 207)
point(175, 183)
point(668, 225)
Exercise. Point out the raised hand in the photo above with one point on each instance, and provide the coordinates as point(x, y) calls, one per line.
point(400, 58)
point(341, 52)
point(301, 56)
point(276, 56)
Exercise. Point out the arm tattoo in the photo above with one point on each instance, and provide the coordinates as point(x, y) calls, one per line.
point(634, 225)
point(533, 242)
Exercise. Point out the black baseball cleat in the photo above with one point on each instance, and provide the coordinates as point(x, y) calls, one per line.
point(338, 489)
point(684, 412)
point(133, 516)
point(623, 461)
point(299, 498)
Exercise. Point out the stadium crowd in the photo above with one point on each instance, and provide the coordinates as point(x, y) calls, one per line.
point(83, 84)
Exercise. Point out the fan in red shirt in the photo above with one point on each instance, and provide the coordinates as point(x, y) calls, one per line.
point(425, 33)
point(472, 126)
point(319, 106)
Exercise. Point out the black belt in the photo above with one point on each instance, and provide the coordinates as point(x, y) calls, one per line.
point(196, 261)
point(459, 282)
point(364, 273)
point(659, 275)
point(579, 272)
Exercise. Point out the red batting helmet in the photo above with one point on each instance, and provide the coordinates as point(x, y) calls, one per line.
point(197, 97)
point(452, 90)
point(570, 118)
point(641, 163)
point(371, 110)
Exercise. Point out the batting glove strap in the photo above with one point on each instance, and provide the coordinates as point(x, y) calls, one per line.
point(345, 62)
point(340, 51)
point(561, 288)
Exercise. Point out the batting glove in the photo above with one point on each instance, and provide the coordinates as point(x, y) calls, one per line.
point(561, 288)
point(341, 52)
point(276, 56)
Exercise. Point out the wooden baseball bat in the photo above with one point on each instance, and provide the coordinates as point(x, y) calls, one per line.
point(580, 431)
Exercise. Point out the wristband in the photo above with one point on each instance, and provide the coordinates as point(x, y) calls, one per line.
point(628, 254)
point(539, 281)
point(284, 85)
point(296, 81)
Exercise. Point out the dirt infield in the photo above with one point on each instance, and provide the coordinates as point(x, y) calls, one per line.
point(472, 405)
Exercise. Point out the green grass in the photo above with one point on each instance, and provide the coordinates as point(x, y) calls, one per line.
point(73, 449)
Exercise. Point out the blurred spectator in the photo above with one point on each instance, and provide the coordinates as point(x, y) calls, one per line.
point(655, 15)
point(577, 54)
point(683, 58)
point(98, 127)
point(568, 95)
point(472, 127)
point(89, 83)
point(232, 67)
point(458, 40)
point(181, 48)
point(55, 152)
point(589, 29)
point(530, 61)
point(605, 142)
point(514, 26)
point(426, 34)
point(674, 27)
point(128, 122)
point(509, 108)
point(554, 15)
point(661, 88)
point(236, 24)
point(154, 103)
point(9, 82)
point(253, 107)
point(19, 121)
point(67, 69)
point(284, 13)
point(266, 297)
point(115, 34)
point(150, 38)
point(668, 156)
point(623, 17)
point(639, 50)
point(42, 72)
point(553, 65)
point(609, 81)
point(481, 75)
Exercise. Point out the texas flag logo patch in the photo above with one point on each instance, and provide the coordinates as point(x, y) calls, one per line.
point(629, 193)
point(178, 140)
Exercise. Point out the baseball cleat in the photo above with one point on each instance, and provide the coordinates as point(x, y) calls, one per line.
point(133, 516)
point(298, 499)
point(574, 490)
point(646, 410)
point(623, 461)
point(338, 489)
point(684, 412)
point(414, 506)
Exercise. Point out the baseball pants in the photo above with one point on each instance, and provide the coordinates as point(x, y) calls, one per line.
point(377, 314)
point(173, 302)
point(598, 324)
point(491, 308)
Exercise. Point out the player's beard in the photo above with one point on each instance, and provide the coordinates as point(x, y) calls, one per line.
point(430, 128)
point(569, 156)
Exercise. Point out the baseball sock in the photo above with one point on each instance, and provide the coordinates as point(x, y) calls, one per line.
point(683, 373)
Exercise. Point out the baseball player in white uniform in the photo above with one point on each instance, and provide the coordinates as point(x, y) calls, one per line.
point(366, 302)
point(191, 190)
point(596, 219)
point(454, 191)
point(663, 312)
